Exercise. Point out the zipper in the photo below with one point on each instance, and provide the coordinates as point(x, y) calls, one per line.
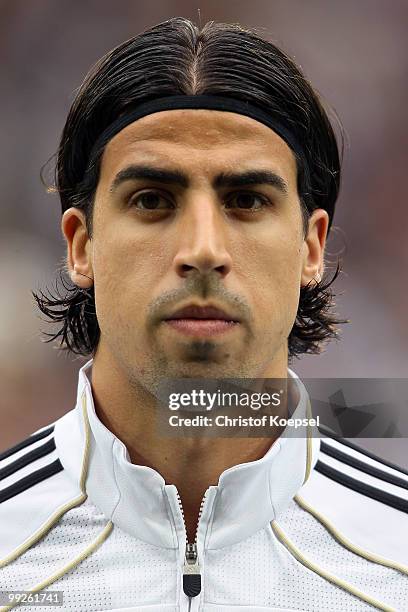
point(191, 567)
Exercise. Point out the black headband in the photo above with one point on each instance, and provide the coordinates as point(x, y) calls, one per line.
point(231, 105)
point(208, 102)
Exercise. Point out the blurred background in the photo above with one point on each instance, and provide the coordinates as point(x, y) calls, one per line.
point(356, 56)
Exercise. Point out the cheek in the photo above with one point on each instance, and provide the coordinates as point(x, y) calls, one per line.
point(271, 268)
point(125, 266)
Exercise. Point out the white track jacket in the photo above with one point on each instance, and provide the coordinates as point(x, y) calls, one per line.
point(313, 526)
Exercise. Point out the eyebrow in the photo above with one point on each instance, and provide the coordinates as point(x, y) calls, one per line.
point(224, 179)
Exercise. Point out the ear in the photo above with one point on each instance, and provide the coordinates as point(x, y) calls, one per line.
point(313, 247)
point(79, 260)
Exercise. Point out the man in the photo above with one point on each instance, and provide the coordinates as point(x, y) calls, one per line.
point(198, 174)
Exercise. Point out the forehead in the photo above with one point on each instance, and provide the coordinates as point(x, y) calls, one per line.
point(229, 136)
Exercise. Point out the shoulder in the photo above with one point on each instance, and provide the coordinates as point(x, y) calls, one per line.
point(362, 496)
point(34, 487)
point(362, 471)
point(27, 463)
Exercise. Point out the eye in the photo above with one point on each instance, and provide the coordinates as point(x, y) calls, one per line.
point(245, 200)
point(149, 201)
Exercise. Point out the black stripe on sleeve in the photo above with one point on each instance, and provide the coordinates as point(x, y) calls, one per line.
point(326, 431)
point(37, 453)
point(363, 488)
point(27, 442)
point(31, 480)
point(362, 466)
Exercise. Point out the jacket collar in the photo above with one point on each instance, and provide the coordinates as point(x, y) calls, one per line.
point(137, 499)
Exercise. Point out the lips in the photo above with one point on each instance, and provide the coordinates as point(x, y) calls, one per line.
point(202, 312)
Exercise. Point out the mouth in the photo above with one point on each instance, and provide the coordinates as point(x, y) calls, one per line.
point(194, 320)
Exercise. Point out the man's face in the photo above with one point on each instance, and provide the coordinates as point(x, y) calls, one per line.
point(203, 239)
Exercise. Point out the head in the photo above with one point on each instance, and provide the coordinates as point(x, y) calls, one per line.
point(195, 206)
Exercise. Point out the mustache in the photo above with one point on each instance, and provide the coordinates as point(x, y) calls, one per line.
point(198, 285)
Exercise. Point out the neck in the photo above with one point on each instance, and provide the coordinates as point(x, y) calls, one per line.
point(192, 464)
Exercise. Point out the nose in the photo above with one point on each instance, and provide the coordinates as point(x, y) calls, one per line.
point(202, 240)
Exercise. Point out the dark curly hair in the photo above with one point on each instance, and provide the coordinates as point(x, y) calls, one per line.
point(176, 57)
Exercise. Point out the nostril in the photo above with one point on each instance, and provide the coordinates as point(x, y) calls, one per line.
point(186, 268)
point(222, 269)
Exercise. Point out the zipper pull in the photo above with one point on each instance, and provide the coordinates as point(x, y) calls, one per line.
point(191, 572)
